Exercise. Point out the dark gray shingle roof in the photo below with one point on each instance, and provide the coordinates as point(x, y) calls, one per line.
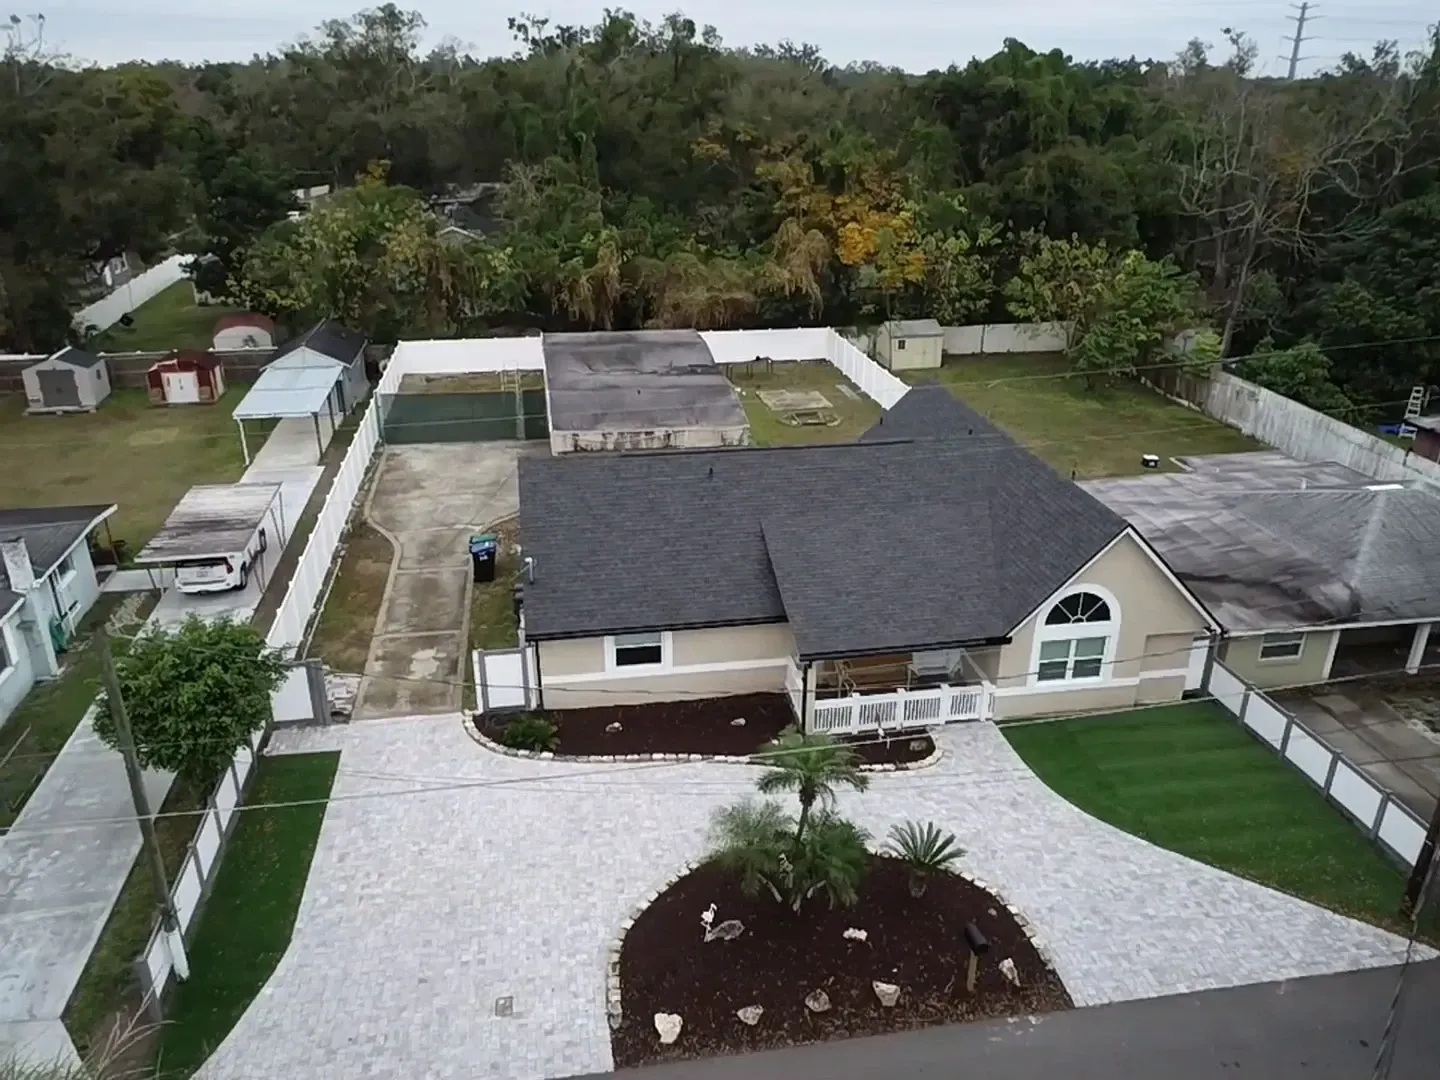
point(328, 338)
point(76, 357)
point(866, 547)
point(48, 532)
point(929, 411)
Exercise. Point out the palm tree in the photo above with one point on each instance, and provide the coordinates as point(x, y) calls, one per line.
point(754, 840)
point(812, 766)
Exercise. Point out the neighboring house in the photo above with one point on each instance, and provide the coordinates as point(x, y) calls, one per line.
point(246, 331)
point(907, 344)
point(329, 347)
point(1311, 569)
point(456, 236)
point(935, 552)
point(47, 584)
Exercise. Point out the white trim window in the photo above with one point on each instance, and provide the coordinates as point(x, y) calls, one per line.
point(1075, 642)
point(1281, 648)
point(646, 650)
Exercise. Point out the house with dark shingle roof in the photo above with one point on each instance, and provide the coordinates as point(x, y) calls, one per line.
point(47, 584)
point(936, 551)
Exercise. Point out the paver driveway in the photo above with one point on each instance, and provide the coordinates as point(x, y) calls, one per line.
point(509, 878)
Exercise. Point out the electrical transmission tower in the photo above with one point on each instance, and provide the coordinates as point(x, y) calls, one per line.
point(1305, 15)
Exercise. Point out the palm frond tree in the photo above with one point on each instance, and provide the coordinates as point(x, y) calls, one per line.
point(813, 767)
point(832, 859)
point(925, 850)
point(751, 839)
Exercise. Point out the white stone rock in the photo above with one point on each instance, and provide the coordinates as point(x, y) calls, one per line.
point(739, 721)
point(613, 727)
point(708, 916)
point(888, 993)
point(668, 1025)
point(728, 930)
point(1007, 968)
point(853, 934)
point(750, 1014)
point(817, 1001)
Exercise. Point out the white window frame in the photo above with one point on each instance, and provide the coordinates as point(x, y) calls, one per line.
point(900, 344)
point(615, 642)
point(1283, 640)
point(1073, 632)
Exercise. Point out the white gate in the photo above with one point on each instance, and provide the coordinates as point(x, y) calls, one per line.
point(1195, 669)
point(505, 679)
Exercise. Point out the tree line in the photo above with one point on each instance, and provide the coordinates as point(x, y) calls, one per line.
point(644, 174)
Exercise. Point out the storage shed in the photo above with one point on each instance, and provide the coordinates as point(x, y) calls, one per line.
point(638, 390)
point(248, 331)
point(328, 345)
point(908, 344)
point(186, 377)
point(69, 381)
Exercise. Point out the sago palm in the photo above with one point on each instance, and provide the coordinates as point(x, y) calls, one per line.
point(925, 850)
point(813, 767)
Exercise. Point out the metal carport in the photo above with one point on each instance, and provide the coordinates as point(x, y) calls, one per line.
point(291, 393)
point(215, 520)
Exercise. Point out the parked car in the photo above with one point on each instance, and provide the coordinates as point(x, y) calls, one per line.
point(222, 571)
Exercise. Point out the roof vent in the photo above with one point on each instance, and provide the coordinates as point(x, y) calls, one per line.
point(1150, 461)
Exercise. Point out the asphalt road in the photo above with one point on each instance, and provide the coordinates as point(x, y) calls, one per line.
point(1324, 1028)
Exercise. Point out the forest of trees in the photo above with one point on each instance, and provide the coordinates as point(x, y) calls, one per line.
point(647, 175)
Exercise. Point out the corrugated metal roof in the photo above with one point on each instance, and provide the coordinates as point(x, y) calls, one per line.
point(290, 390)
point(212, 519)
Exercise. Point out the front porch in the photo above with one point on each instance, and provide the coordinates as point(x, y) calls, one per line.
point(893, 692)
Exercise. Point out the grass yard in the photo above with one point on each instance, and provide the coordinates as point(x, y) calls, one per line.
point(347, 622)
point(1185, 777)
point(246, 925)
point(1093, 433)
point(141, 457)
point(855, 414)
point(492, 607)
point(169, 320)
point(37, 731)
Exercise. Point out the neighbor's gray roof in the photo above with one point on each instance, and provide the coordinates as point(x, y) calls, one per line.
point(1429, 423)
point(915, 328)
point(929, 411)
point(1268, 543)
point(74, 358)
point(9, 601)
point(49, 532)
point(637, 380)
point(865, 547)
point(328, 338)
point(210, 520)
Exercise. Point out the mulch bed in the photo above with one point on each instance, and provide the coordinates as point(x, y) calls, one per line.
point(702, 726)
point(916, 944)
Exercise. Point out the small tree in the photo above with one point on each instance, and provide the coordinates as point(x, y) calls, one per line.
point(812, 766)
point(760, 842)
point(194, 695)
point(925, 850)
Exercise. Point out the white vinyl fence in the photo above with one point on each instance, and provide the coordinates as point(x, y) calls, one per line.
point(105, 312)
point(898, 711)
point(1379, 814)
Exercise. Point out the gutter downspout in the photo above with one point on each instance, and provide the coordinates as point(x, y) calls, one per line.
point(805, 699)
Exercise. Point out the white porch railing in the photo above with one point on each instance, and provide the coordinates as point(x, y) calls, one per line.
point(898, 711)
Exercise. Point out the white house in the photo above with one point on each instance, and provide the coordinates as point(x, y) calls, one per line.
point(47, 584)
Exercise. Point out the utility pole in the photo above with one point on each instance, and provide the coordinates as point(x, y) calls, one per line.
point(1299, 38)
point(150, 847)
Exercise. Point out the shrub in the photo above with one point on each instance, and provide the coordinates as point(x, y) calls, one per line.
point(925, 850)
point(760, 842)
point(529, 732)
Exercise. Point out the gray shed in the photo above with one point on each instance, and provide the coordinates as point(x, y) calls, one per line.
point(69, 381)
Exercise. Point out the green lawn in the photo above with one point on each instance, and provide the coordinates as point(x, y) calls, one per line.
point(1189, 779)
point(36, 732)
point(347, 621)
point(855, 415)
point(1093, 433)
point(169, 320)
point(128, 452)
point(246, 925)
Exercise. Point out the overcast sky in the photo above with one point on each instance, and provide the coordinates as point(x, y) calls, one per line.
point(914, 34)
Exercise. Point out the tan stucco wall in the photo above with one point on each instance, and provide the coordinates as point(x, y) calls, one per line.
point(1150, 607)
point(722, 645)
point(1242, 656)
point(1064, 701)
point(1154, 691)
point(1167, 652)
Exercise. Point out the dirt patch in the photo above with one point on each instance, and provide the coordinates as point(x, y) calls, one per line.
point(703, 726)
point(342, 635)
point(915, 943)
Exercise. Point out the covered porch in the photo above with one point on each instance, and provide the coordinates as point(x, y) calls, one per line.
point(891, 692)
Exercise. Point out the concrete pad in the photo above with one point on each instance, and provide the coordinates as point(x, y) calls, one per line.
point(1317, 719)
point(436, 548)
point(418, 674)
point(1338, 705)
point(422, 601)
point(1350, 743)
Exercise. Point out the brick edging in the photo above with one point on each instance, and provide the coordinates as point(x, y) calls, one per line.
point(472, 728)
point(614, 1012)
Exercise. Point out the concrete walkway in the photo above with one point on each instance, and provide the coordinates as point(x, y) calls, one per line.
point(509, 878)
point(58, 883)
point(426, 501)
point(1325, 1028)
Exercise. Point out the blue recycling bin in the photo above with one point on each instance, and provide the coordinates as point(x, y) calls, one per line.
point(484, 551)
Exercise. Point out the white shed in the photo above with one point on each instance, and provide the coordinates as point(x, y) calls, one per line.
point(69, 381)
point(249, 331)
point(906, 344)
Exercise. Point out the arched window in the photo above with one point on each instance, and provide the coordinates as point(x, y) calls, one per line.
point(1076, 640)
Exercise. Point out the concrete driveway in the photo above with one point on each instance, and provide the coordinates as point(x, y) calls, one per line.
point(427, 500)
point(448, 877)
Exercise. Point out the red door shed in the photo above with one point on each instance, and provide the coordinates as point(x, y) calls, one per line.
point(186, 377)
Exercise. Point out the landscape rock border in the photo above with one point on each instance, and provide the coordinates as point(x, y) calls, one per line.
point(472, 728)
point(614, 1011)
